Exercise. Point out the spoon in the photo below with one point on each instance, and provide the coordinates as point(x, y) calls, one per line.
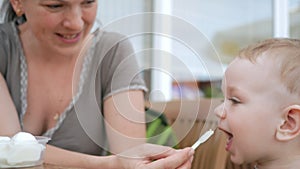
point(203, 138)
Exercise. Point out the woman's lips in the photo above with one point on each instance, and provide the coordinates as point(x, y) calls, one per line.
point(69, 38)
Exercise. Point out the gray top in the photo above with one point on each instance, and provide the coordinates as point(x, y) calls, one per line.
point(109, 67)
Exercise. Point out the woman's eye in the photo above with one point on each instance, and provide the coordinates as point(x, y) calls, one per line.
point(89, 2)
point(54, 6)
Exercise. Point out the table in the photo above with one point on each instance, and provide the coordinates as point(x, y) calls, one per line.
point(49, 166)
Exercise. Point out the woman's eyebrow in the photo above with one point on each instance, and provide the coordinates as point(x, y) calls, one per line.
point(53, 0)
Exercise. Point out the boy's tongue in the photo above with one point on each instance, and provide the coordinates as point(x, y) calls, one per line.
point(229, 143)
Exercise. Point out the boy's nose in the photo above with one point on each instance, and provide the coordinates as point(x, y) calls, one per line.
point(220, 112)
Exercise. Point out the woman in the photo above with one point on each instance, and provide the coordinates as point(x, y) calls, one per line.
point(62, 89)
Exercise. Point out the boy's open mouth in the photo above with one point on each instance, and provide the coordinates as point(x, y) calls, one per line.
point(229, 140)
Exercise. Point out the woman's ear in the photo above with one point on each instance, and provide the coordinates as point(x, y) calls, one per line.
point(17, 6)
point(289, 128)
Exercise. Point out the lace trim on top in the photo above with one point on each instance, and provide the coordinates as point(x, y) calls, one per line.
point(23, 74)
point(24, 86)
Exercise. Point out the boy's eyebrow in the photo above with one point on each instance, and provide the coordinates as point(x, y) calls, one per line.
point(233, 89)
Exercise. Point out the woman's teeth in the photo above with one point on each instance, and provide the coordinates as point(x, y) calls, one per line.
point(69, 36)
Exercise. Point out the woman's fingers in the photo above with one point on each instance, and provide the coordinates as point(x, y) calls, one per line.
point(151, 156)
point(177, 159)
point(187, 164)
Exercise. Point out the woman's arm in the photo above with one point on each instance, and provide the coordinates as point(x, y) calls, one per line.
point(125, 120)
point(147, 156)
point(9, 121)
point(61, 157)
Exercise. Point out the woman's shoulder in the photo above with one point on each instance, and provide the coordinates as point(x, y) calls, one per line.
point(109, 37)
point(109, 34)
point(107, 42)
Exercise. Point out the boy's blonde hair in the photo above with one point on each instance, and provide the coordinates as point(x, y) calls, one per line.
point(286, 53)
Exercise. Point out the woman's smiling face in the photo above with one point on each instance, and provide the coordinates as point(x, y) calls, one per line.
point(251, 110)
point(60, 25)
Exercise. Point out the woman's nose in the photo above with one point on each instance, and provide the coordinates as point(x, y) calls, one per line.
point(220, 111)
point(73, 19)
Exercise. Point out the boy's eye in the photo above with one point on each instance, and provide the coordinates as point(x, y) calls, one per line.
point(234, 100)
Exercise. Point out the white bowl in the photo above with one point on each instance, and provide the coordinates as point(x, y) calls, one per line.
point(22, 153)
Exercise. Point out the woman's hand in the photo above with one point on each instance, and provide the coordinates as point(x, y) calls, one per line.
point(150, 156)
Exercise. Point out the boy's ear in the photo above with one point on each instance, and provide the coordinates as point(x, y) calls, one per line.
point(289, 128)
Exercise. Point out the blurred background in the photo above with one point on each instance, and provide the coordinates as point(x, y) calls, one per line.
point(183, 46)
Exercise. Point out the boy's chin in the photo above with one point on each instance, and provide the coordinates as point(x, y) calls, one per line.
point(236, 159)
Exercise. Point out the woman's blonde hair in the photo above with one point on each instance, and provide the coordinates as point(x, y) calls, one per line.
point(286, 52)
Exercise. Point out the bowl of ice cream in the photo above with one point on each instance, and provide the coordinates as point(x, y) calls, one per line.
point(22, 150)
